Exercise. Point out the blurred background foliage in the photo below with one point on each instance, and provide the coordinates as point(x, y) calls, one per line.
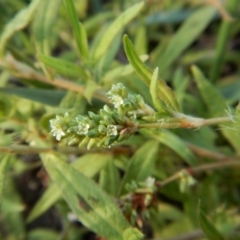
point(49, 66)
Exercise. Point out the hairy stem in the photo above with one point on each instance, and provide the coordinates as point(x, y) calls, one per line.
point(187, 122)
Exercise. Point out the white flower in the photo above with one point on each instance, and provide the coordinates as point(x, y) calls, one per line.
point(112, 130)
point(116, 100)
point(150, 182)
point(57, 128)
point(83, 128)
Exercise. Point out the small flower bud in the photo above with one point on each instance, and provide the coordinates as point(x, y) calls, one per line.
point(91, 143)
point(94, 133)
point(102, 129)
point(96, 118)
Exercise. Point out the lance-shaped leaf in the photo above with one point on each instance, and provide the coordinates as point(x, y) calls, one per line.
point(42, 27)
point(120, 71)
point(88, 164)
point(17, 23)
point(216, 105)
point(44, 96)
point(121, 21)
point(185, 36)
point(63, 67)
point(153, 90)
point(164, 93)
point(43, 24)
point(94, 208)
point(4, 160)
point(78, 30)
point(208, 228)
point(110, 179)
point(141, 165)
point(174, 142)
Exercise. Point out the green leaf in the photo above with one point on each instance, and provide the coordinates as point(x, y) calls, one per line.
point(78, 30)
point(9, 205)
point(212, 97)
point(153, 91)
point(208, 228)
point(141, 39)
point(121, 71)
point(107, 59)
point(164, 92)
point(132, 234)
point(64, 67)
point(217, 106)
point(4, 163)
point(44, 96)
point(94, 208)
point(43, 24)
point(168, 16)
point(15, 224)
point(42, 233)
point(110, 179)
point(119, 23)
point(13, 218)
point(174, 142)
point(185, 36)
point(141, 165)
point(90, 89)
point(20, 21)
point(89, 165)
point(224, 34)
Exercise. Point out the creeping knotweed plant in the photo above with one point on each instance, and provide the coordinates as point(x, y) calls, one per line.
point(109, 126)
point(114, 124)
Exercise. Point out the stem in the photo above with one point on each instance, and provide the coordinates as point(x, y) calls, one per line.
point(208, 154)
point(23, 149)
point(23, 71)
point(187, 122)
point(202, 168)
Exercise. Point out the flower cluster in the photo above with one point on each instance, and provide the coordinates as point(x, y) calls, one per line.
point(109, 126)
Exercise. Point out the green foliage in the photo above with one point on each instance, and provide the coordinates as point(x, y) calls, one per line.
point(210, 231)
point(91, 133)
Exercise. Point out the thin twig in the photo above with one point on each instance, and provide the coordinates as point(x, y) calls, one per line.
point(187, 122)
point(201, 168)
point(209, 154)
point(225, 15)
point(23, 71)
point(23, 149)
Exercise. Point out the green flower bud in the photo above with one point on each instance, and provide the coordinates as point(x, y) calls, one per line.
point(102, 129)
point(96, 118)
point(127, 106)
point(84, 142)
point(101, 142)
point(107, 109)
point(94, 133)
point(91, 143)
point(109, 140)
point(73, 140)
point(140, 101)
